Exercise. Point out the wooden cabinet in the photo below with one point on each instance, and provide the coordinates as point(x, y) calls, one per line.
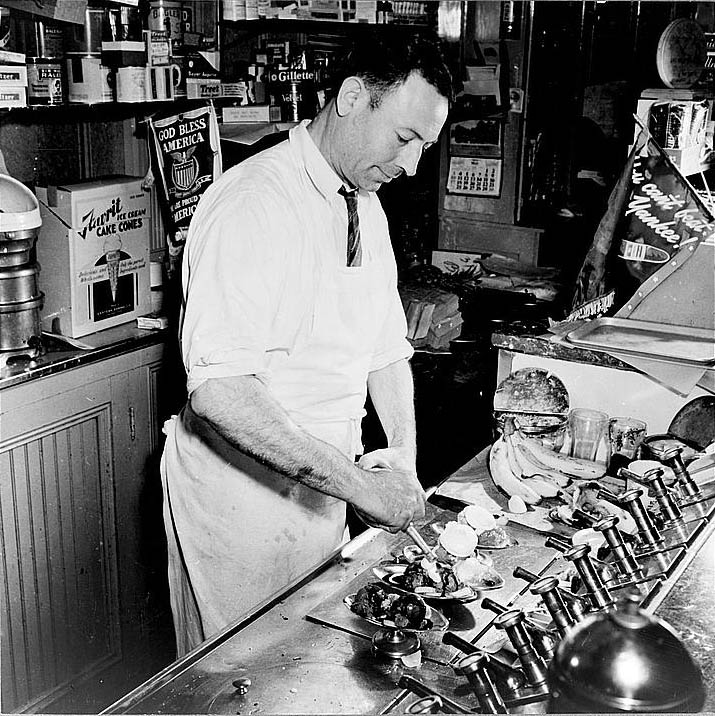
point(82, 592)
point(482, 157)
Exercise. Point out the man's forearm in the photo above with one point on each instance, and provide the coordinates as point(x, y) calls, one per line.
point(392, 393)
point(243, 412)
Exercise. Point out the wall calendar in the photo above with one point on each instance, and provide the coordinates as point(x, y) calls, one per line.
point(478, 176)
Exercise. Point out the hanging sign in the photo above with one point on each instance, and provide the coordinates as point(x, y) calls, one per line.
point(652, 227)
point(186, 158)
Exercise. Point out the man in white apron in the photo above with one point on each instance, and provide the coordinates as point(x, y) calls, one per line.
point(288, 321)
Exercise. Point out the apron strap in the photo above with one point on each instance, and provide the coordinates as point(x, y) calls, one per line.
point(188, 627)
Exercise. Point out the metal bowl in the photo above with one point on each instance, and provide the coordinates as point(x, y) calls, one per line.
point(624, 660)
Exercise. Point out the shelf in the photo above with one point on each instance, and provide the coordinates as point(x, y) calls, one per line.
point(265, 25)
point(94, 111)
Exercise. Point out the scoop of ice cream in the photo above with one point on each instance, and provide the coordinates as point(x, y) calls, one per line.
point(431, 570)
point(477, 518)
point(470, 571)
point(496, 537)
point(458, 539)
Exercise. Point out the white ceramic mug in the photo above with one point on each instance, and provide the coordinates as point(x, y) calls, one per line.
point(131, 84)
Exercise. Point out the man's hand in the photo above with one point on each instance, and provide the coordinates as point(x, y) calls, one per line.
point(391, 458)
point(390, 498)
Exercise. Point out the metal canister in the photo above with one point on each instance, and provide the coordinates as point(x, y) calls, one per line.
point(87, 38)
point(44, 50)
point(167, 16)
point(44, 39)
point(294, 90)
point(45, 81)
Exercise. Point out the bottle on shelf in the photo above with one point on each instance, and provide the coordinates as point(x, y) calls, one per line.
point(384, 12)
point(510, 24)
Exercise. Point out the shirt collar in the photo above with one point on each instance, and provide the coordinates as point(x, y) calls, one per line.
point(326, 181)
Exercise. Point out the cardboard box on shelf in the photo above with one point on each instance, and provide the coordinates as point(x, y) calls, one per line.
point(13, 75)
point(158, 48)
point(689, 160)
point(252, 113)
point(7, 57)
point(203, 87)
point(366, 11)
point(65, 10)
point(12, 96)
point(337, 10)
point(93, 247)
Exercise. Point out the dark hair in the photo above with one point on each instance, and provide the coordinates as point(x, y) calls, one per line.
point(385, 64)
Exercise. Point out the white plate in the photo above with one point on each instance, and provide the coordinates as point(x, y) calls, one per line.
point(681, 53)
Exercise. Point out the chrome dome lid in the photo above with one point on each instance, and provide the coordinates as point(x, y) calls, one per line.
point(19, 208)
point(624, 660)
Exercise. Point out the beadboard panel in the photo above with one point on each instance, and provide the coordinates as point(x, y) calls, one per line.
point(59, 603)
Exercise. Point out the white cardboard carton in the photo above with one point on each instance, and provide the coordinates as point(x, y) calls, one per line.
point(93, 249)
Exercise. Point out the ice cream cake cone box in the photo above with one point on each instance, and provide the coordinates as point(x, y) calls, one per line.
point(93, 251)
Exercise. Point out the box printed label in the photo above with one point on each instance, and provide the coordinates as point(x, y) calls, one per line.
point(111, 277)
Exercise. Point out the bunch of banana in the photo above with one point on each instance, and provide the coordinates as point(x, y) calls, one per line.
point(523, 466)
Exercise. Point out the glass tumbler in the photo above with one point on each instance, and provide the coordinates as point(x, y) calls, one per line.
point(589, 430)
point(625, 435)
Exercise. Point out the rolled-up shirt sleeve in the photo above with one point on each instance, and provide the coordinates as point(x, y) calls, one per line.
point(392, 344)
point(231, 287)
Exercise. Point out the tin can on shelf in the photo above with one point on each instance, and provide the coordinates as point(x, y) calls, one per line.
point(167, 15)
point(43, 43)
point(44, 39)
point(87, 38)
point(88, 80)
point(293, 89)
point(46, 82)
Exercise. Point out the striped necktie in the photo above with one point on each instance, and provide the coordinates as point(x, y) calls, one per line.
point(354, 254)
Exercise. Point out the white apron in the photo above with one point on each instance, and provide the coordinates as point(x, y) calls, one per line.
point(238, 533)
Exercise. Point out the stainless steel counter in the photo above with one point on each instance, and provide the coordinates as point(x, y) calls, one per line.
point(59, 354)
point(298, 664)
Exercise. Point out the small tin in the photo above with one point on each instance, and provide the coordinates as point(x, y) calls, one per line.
point(46, 83)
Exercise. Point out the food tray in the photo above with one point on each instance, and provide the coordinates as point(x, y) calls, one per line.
point(389, 573)
point(438, 620)
point(694, 346)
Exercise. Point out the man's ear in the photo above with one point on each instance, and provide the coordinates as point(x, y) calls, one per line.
point(351, 93)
